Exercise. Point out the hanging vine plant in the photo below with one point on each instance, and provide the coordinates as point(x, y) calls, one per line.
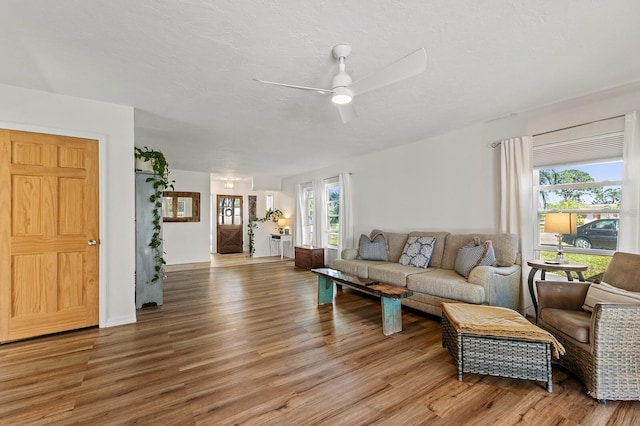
point(161, 182)
point(272, 215)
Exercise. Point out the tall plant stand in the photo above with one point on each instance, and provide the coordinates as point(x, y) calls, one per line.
point(146, 292)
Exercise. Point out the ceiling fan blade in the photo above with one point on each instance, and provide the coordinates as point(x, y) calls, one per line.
point(347, 112)
point(409, 66)
point(313, 89)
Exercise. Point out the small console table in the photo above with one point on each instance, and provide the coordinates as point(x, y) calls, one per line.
point(280, 239)
point(541, 265)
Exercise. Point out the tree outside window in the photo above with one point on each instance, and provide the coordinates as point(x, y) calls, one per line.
point(333, 213)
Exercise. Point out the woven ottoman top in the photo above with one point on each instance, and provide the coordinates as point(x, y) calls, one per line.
point(495, 321)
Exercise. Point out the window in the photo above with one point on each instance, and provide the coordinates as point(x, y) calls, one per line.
point(593, 192)
point(579, 170)
point(332, 202)
point(307, 214)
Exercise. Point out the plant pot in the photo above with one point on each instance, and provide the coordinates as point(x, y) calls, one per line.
point(144, 165)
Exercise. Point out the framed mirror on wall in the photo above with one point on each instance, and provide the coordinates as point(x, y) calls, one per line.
point(180, 206)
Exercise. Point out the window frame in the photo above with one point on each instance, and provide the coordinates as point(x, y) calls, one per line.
point(308, 201)
point(329, 234)
point(539, 211)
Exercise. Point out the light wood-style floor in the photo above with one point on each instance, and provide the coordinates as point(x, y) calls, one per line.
point(248, 344)
point(223, 260)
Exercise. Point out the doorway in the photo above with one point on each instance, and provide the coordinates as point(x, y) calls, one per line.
point(49, 268)
point(229, 224)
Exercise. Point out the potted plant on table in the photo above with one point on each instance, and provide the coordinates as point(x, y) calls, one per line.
point(272, 215)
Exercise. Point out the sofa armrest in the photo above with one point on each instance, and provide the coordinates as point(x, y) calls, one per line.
point(349, 254)
point(567, 295)
point(501, 284)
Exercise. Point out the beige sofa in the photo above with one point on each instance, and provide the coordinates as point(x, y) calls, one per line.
point(439, 282)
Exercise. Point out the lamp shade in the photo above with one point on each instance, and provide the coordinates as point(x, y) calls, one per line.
point(282, 222)
point(560, 223)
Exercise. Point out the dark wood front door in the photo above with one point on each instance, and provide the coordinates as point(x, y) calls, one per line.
point(229, 220)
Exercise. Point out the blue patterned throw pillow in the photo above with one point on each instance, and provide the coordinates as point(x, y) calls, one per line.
point(372, 249)
point(417, 251)
point(474, 254)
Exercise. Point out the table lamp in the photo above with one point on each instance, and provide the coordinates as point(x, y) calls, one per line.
point(560, 223)
point(282, 222)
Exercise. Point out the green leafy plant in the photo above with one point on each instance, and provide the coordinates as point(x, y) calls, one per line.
point(160, 179)
point(272, 215)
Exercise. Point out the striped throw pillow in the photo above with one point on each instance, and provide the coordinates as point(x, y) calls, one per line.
point(474, 254)
point(372, 249)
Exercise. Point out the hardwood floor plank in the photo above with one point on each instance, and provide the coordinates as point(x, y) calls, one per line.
point(248, 344)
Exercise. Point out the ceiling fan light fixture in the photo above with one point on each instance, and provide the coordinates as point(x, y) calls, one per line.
point(341, 96)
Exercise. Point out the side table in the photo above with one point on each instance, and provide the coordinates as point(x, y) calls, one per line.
point(541, 265)
point(309, 257)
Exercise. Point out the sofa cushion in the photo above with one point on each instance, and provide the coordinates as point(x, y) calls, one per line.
point(417, 252)
point(474, 254)
point(392, 273)
point(395, 243)
point(372, 248)
point(447, 284)
point(604, 292)
point(574, 324)
point(505, 247)
point(438, 248)
point(359, 268)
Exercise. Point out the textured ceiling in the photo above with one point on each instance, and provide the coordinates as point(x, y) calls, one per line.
point(187, 68)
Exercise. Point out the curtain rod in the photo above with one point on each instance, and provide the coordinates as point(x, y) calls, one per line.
point(497, 143)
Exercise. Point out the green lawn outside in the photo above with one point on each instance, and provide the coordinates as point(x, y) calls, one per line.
point(597, 264)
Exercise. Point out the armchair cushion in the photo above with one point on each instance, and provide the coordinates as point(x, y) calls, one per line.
point(623, 271)
point(574, 324)
point(561, 294)
point(604, 292)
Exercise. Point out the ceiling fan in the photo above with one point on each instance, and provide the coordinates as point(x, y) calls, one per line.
point(343, 89)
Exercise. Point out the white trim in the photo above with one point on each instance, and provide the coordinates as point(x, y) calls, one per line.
point(102, 143)
point(112, 322)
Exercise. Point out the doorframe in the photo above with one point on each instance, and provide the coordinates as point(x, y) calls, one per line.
point(102, 188)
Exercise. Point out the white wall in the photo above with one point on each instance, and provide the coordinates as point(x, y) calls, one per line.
point(38, 111)
point(452, 181)
point(188, 242)
point(448, 182)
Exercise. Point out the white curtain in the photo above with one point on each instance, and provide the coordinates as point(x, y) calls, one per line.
point(319, 213)
point(630, 205)
point(345, 239)
point(298, 229)
point(516, 201)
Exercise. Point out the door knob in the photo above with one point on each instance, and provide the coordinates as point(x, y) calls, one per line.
point(92, 242)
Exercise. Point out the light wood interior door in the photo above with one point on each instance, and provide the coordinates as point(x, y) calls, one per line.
point(48, 234)
point(229, 220)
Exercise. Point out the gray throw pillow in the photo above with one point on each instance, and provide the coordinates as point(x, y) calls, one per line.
point(372, 249)
point(474, 254)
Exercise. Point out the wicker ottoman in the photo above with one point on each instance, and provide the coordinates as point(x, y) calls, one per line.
point(518, 356)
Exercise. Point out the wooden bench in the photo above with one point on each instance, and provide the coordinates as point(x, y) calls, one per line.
point(389, 295)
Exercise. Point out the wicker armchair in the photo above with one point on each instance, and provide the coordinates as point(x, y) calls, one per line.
point(602, 347)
